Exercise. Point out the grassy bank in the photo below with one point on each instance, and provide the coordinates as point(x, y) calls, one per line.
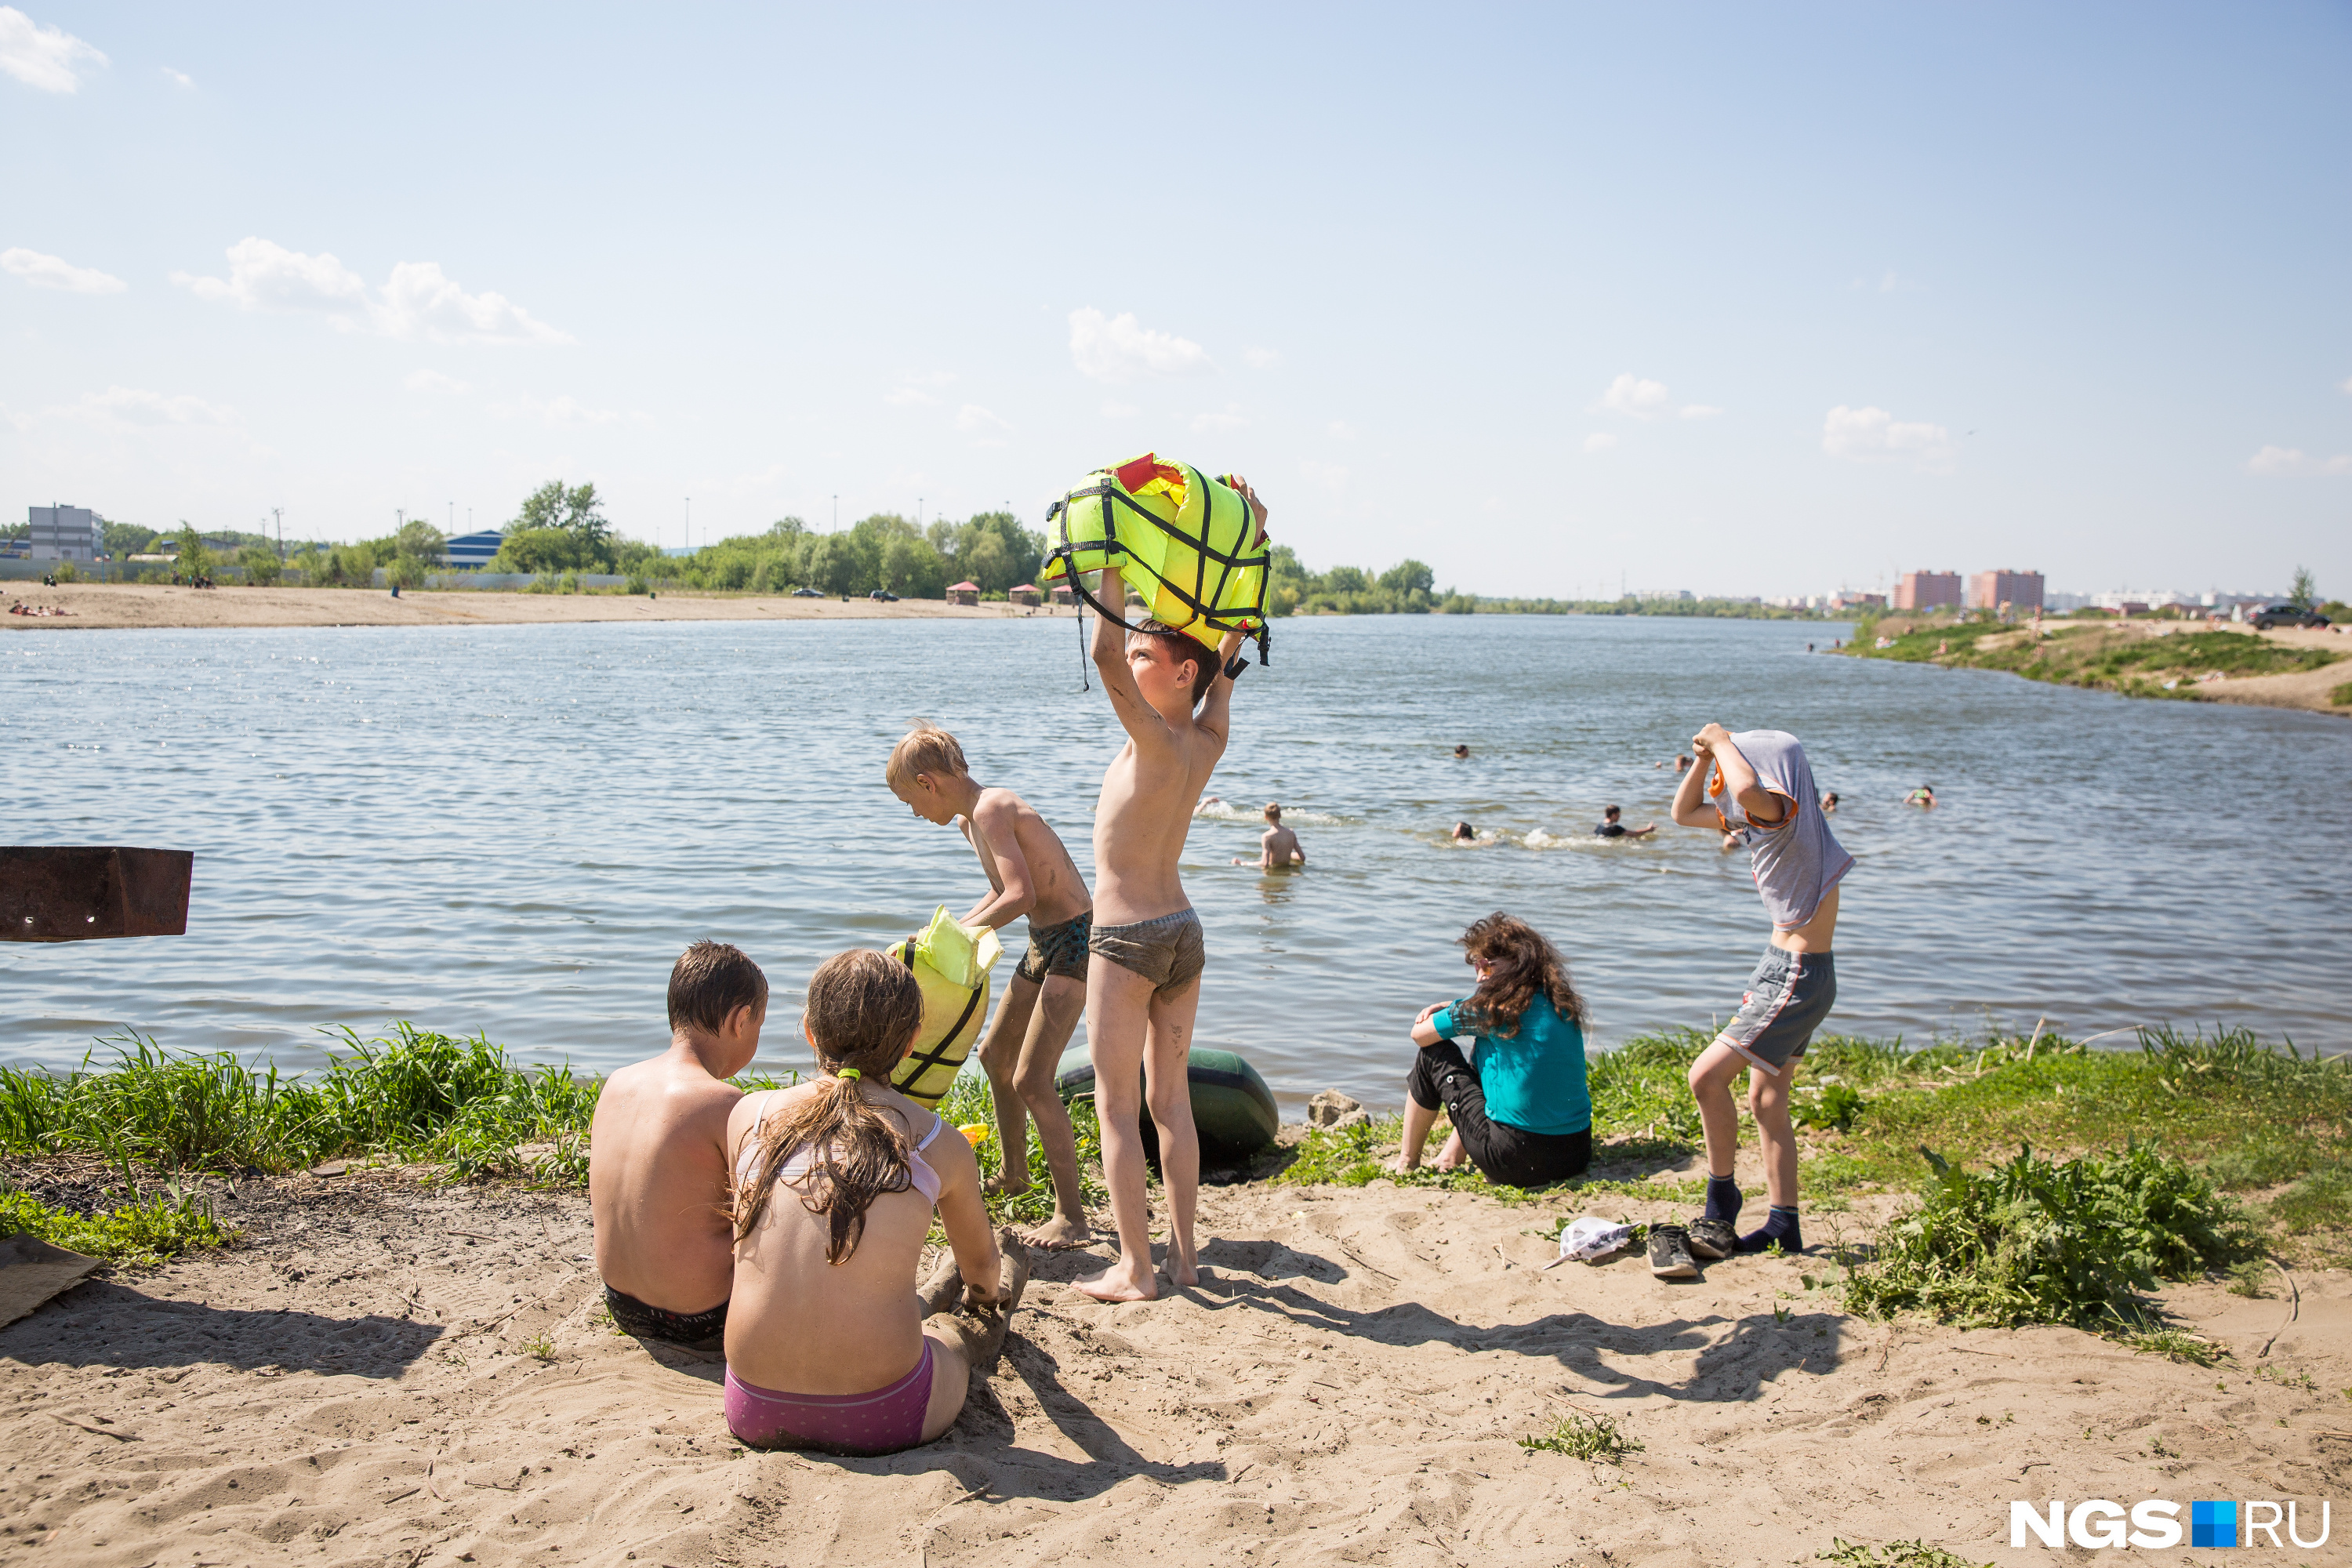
point(2102, 656)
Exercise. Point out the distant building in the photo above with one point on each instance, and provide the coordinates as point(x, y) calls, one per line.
point(1026, 593)
point(963, 593)
point(1928, 590)
point(472, 550)
point(1063, 596)
point(66, 533)
point(1858, 602)
point(2015, 590)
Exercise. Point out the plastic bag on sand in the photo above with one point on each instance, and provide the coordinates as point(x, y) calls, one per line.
point(1582, 1240)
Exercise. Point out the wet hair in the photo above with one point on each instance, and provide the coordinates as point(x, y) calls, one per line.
point(1274, 811)
point(1464, 830)
point(925, 748)
point(1188, 650)
point(1608, 811)
point(1520, 966)
point(1461, 751)
point(709, 982)
point(864, 1008)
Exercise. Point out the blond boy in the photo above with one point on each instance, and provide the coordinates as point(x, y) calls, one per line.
point(1030, 872)
point(1173, 697)
point(1277, 847)
point(658, 1159)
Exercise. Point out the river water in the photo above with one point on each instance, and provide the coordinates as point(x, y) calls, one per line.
point(515, 829)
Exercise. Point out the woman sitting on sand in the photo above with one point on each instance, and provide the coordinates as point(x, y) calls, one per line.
point(1520, 1110)
point(829, 1345)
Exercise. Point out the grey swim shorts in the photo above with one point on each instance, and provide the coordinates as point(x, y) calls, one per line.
point(1056, 949)
point(1787, 997)
point(1168, 951)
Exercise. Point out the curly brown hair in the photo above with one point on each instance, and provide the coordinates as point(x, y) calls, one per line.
point(1520, 965)
point(864, 1008)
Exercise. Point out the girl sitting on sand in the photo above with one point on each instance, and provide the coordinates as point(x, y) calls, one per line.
point(829, 1345)
point(1519, 1107)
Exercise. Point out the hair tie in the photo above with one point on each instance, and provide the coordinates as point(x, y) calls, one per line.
point(849, 1074)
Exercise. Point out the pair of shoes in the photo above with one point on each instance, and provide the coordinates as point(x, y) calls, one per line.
point(1670, 1253)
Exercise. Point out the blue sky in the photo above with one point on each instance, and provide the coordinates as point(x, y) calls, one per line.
point(1739, 299)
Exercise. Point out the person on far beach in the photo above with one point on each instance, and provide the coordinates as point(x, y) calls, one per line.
point(657, 1182)
point(1611, 827)
point(1763, 793)
point(1277, 846)
point(830, 1343)
point(1521, 1110)
point(1030, 872)
point(1173, 696)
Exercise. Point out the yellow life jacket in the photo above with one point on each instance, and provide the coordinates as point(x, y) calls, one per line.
point(1190, 548)
point(950, 964)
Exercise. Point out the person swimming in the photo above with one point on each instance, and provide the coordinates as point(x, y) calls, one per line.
point(1465, 834)
point(1924, 796)
point(1829, 804)
point(1612, 829)
point(1461, 751)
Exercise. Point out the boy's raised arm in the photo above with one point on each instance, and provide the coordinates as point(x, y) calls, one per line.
point(1691, 809)
point(1216, 708)
point(1143, 726)
point(1739, 778)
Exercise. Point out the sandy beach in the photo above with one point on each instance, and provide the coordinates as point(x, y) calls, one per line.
point(391, 1373)
point(101, 607)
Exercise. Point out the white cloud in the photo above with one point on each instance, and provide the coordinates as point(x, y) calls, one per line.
point(915, 389)
point(434, 381)
point(132, 406)
point(41, 56)
point(1872, 434)
point(55, 272)
point(1637, 398)
point(974, 420)
point(417, 301)
point(1600, 441)
point(1341, 429)
point(1261, 359)
point(1230, 420)
point(1118, 349)
point(182, 78)
point(2273, 462)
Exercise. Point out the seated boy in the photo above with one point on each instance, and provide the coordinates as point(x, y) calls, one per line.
point(657, 1182)
point(1030, 873)
point(1277, 847)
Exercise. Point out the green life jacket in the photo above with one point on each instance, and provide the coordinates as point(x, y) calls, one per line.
point(951, 964)
point(1188, 543)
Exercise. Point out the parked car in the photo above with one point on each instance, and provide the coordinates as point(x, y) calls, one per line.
point(806, 592)
point(2287, 616)
point(883, 596)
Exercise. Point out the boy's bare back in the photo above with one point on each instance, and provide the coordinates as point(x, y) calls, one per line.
point(1279, 846)
point(657, 1183)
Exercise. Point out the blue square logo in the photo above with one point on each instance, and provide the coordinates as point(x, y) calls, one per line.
point(2212, 1524)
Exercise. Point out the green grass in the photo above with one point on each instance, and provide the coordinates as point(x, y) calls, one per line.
point(2100, 657)
point(2341, 696)
point(970, 1100)
point(2034, 1240)
point(141, 1232)
point(1898, 1555)
point(1598, 1438)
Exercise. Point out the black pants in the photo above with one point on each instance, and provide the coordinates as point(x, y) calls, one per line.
point(1506, 1155)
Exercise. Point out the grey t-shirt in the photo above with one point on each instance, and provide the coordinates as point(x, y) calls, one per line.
point(1795, 860)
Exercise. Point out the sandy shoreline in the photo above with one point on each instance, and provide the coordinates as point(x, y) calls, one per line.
point(390, 1372)
point(104, 606)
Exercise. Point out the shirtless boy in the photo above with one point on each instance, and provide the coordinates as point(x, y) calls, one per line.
point(1767, 799)
point(1277, 846)
point(1173, 697)
point(657, 1159)
point(1029, 873)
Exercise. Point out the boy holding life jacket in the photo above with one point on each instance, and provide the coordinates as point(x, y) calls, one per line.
point(1173, 697)
point(657, 1155)
point(1764, 797)
point(1029, 873)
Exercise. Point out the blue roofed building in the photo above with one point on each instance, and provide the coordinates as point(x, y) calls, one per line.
point(472, 550)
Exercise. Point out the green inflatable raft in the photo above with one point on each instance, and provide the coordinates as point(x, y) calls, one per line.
point(1232, 1107)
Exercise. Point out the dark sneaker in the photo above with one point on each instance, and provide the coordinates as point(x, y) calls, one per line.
point(1670, 1253)
point(1713, 1238)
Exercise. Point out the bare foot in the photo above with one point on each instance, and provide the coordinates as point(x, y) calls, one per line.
point(1405, 1167)
point(1059, 1234)
point(943, 1290)
point(1124, 1281)
point(1184, 1268)
point(1007, 1184)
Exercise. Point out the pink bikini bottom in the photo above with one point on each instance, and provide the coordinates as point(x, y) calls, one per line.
point(882, 1422)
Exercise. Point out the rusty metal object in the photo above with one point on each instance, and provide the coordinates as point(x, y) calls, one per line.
point(78, 892)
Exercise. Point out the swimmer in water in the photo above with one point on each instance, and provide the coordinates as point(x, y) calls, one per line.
point(1612, 829)
point(1465, 834)
point(1924, 796)
point(1682, 765)
point(1277, 849)
point(1462, 751)
point(1829, 804)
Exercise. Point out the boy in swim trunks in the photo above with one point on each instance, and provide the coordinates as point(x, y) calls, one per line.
point(1173, 697)
point(1765, 796)
point(1029, 873)
point(1277, 847)
point(657, 1155)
